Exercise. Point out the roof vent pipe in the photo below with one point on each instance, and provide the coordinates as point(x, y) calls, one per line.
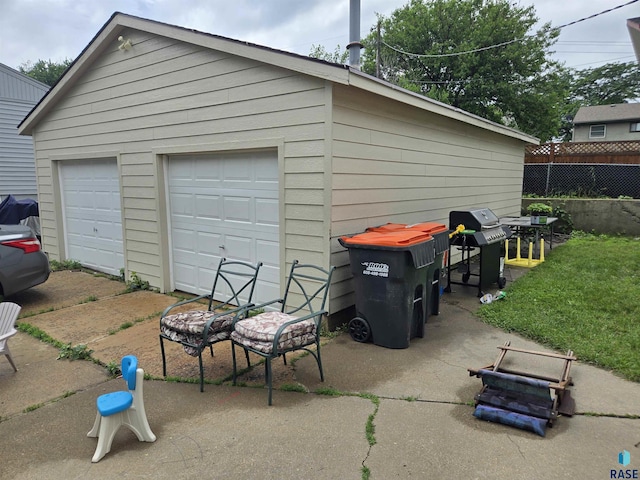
point(354, 34)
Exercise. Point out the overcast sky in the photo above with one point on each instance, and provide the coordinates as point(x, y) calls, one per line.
point(59, 29)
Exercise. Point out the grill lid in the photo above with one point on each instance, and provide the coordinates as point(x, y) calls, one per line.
point(478, 219)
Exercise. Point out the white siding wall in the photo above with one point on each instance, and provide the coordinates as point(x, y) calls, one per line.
point(393, 163)
point(18, 95)
point(164, 94)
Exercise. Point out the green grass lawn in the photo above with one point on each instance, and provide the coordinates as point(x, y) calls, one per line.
point(585, 297)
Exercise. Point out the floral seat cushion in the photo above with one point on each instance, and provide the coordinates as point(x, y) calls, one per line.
point(188, 327)
point(258, 332)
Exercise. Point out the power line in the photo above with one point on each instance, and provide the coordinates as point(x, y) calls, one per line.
point(603, 61)
point(597, 14)
point(455, 54)
point(475, 50)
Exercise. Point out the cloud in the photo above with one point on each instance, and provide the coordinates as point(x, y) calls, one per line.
point(58, 29)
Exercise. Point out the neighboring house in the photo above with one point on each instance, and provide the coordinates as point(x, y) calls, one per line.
point(166, 149)
point(18, 95)
point(607, 123)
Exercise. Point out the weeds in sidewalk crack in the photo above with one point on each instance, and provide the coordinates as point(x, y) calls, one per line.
point(609, 415)
point(370, 431)
point(370, 426)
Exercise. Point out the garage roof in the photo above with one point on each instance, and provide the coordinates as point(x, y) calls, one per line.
point(333, 72)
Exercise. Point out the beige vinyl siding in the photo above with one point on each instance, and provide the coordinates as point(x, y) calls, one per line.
point(164, 94)
point(396, 163)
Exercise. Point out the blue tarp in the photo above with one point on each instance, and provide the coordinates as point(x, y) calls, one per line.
point(12, 211)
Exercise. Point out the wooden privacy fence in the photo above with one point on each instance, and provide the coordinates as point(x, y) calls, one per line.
point(623, 152)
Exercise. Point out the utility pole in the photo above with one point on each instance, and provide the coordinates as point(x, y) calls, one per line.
point(378, 50)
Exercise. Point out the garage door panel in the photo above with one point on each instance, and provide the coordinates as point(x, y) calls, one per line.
point(208, 206)
point(205, 277)
point(206, 171)
point(268, 251)
point(237, 170)
point(186, 272)
point(239, 248)
point(234, 204)
point(238, 209)
point(103, 201)
point(263, 171)
point(267, 211)
point(269, 286)
point(208, 244)
point(182, 204)
point(78, 227)
point(185, 240)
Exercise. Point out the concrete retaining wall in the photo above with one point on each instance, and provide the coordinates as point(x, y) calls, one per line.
point(611, 216)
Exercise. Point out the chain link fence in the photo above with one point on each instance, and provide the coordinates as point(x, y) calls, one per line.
point(582, 180)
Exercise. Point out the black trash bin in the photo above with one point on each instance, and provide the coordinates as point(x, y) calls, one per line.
point(390, 285)
point(440, 234)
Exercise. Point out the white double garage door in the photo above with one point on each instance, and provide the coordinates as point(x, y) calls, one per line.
point(222, 205)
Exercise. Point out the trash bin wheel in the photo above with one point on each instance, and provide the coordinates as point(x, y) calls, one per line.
point(359, 330)
point(502, 282)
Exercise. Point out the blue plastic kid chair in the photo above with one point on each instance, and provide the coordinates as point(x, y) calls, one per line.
point(122, 408)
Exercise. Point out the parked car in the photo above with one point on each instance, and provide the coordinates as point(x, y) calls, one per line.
point(23, 264)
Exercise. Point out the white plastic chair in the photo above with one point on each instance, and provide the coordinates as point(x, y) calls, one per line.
point(8, 316)
point(122, 408)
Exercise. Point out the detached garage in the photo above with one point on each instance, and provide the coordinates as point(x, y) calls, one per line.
point(163, 149)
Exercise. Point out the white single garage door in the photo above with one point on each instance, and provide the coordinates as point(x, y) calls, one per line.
point(224, 205)
point(92, 216)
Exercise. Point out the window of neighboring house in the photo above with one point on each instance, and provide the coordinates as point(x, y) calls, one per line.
point(635, 127)
point(597, 131)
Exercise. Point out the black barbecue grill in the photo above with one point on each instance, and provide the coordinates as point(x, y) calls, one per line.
point(483, 231)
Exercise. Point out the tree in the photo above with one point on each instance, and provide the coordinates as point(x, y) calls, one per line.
point(507, 76)
point(608, 84)
point(338, 55)
point(45, 71)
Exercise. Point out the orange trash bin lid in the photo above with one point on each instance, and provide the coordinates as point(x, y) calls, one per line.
point(404, 238)
point(429, 227)
point(388, 227)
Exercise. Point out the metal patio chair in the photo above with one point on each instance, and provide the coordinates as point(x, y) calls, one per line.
point(199, 329)
point(275, 333)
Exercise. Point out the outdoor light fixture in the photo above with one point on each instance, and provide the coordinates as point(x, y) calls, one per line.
point(124, 44)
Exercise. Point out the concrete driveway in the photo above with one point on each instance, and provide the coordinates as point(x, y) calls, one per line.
point(393, 413)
